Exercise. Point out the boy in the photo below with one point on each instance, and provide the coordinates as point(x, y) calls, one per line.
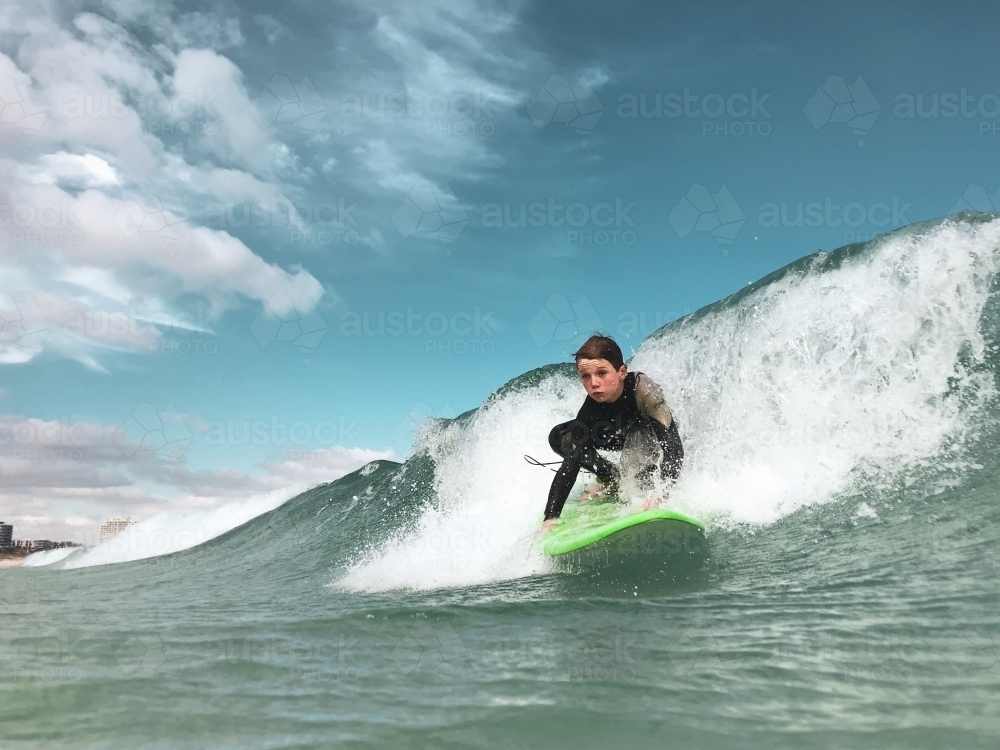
point(620, 407)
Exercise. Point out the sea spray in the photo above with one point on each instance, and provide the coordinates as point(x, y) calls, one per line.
point(487, 499)
point(861, 363)
point(867, 360)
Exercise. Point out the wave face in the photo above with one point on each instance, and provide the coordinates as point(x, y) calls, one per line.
point(164, 533)
point(839, 418)
point(837, 375)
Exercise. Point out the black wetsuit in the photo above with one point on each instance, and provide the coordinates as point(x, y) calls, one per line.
point(606, 426)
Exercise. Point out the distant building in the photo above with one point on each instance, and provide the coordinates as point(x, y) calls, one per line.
point(114, 527)
point(40, 545)
point(25, 547)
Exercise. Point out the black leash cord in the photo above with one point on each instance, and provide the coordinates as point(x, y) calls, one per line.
point(536, 462)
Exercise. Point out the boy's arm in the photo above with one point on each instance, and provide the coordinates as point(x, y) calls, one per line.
point(649, 398)
point(653, 405)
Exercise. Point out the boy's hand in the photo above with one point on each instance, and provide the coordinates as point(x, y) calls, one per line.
point(547, 526)
point(593, 494)
point(652, 502)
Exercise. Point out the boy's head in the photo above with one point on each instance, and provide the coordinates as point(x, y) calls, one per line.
point(602, 368)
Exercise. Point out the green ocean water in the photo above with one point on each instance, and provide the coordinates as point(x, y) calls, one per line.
point(848, 596)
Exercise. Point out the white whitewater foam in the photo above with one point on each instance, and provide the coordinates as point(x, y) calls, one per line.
point(783, 400)
point(48, 557)
point(817, 376)
point(168, 532)
point(865, 511)
point(489, 499)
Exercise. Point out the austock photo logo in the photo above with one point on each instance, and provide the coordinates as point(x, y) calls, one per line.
point(861, 221)
point(300, 434)
point(561, 320)
point(46, 223)
point(158, 331)
point(164, 115)
point(604, 655)
point(950, 105)
point(23, 328)
point(852, 104)
point(429, 648)
point(326, 660)
point(330, 222)
point(462, 114)
point(601, 223)
point(20, 107)
point(163, 432)
point(154, 211)
point(428, 211)
point(146, 655)
point(702, 650)
point(284, 319)
point(700, 210)
point(39, 442)
point(560, 101)
point(458, 332)
point(737, 114)
point(975, 198)
point(976, 648)
point(282, 102)
point(409, 428)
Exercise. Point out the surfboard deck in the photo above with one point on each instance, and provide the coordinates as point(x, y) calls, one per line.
point(599, 531)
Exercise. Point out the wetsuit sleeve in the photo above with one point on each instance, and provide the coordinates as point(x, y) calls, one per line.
point(652, 405)
point(649, 398)
point(572, 441)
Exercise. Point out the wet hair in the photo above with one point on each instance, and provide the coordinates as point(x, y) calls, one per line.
point(601, 347)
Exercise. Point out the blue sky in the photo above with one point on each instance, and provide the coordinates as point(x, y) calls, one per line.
point(309, 217)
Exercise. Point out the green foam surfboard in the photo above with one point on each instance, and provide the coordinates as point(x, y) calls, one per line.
point(600, 527)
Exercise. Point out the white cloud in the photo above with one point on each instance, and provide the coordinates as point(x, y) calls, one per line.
point(205, 30)
point(114, 108)
point(100, 270)
point(465, 57)
point(61, 480)
point(209, 85)
point(87, 170)
point(273, 28)
point(99, 198)
point(324, 464)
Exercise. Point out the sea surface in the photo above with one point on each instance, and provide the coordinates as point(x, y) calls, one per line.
point(840, 421)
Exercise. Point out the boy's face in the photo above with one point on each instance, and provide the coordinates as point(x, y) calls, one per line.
point(603, 382)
